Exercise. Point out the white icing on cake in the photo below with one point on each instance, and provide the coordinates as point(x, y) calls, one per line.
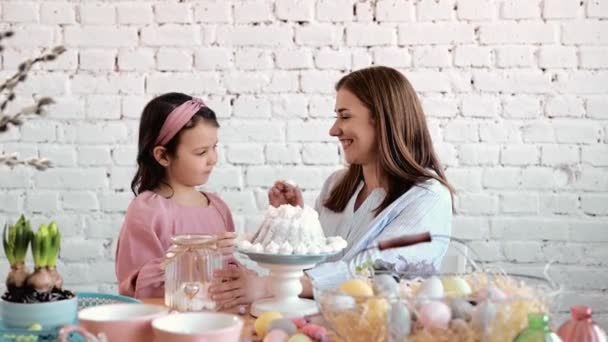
point(272, 248)
point(257, 248)
point(292, 230)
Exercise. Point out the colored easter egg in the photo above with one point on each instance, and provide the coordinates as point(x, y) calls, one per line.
point(459, 325)
point(435, 314)
point(399, 322)
point(315, 332)
point(283, 324)
point(356, 287)
point(377, 309)
point(299, 322)
point(35, 327)
point(385, 285)
point(263, 321)
point(431, 288)
point(461, 309)
point(339, 302)
point(491, 292)
point(456, 287)
point(276, 336)
point(299, 338)
point(483, 315)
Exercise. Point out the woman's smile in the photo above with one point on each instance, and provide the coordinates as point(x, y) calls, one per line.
point(346, 143)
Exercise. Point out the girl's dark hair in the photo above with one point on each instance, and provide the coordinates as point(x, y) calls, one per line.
point(150, 174)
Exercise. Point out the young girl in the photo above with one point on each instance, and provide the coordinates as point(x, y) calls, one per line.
point(176, 152)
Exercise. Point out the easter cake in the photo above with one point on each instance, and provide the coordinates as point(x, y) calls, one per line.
point(292, 230)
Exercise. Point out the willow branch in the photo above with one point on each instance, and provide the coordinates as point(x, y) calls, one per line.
point(11, 160)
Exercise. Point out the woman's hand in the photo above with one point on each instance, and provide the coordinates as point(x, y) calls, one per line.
point(225, 242)
point(236, 285)
point(285, 193)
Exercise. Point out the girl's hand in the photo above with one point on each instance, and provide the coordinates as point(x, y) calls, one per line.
point(285, 193)
point(234, 285)
point(225, 242)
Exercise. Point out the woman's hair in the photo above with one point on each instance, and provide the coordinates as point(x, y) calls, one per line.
point(150, 174)
point(405, 150)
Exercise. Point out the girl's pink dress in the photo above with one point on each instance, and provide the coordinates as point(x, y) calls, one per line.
point(150, 222)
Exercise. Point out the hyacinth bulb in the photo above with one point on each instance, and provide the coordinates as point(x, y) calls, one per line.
point(580, 327)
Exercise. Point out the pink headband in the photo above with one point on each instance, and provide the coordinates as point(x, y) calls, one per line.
point(177, 119)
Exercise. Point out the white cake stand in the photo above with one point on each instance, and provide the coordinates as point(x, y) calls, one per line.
point(285, 273)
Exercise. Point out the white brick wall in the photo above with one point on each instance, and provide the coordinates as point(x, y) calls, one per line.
point(516, 92)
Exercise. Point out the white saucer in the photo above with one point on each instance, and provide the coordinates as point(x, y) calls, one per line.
point(286, 259)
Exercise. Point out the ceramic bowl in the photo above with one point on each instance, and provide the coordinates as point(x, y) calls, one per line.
point(48, 315)
point(198, 327)
point(119, 322)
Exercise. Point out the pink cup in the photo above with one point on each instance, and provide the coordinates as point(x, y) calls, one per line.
point(198, 327)
point(116, 322)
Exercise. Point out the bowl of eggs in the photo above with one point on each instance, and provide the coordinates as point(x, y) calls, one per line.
point(489, 306)
point(364, 310)
point(451, 307)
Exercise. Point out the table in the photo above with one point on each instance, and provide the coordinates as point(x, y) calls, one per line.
point(247, 333)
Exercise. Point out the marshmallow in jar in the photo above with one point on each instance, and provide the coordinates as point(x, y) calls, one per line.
point(190, 264)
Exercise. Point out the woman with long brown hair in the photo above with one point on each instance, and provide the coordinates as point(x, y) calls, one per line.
point(394, 183)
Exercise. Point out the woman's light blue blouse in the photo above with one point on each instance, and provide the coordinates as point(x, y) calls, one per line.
point(426, 207)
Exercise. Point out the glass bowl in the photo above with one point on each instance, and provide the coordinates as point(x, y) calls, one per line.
point(355, 318)
point(500, 306)
point(367, 318)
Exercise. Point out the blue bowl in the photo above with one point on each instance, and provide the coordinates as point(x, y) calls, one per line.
point(48, 315)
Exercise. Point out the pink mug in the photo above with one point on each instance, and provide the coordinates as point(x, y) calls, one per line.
point(116, 322)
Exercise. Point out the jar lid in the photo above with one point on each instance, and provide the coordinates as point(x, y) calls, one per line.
point(189, 242)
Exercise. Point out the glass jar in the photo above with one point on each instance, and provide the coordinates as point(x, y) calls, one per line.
point(189, 266)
